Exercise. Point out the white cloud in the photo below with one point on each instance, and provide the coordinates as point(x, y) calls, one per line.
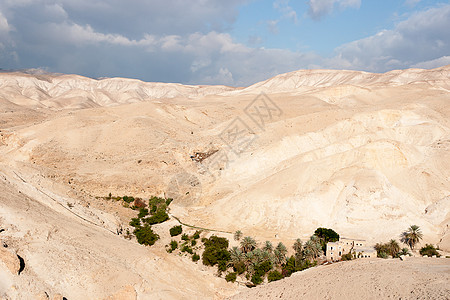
point(321, 8)
point(422, 37)
point(434, 63)
point(191, 45)
point(287, 11)
point(4, 26)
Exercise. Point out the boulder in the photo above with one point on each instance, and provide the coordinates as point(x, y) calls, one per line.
point(10, 259)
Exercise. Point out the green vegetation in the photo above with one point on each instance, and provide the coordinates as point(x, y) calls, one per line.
point(391, 248)
point(274, 276)
point(231, 277)
point(326, 235)
point(347, 256)
point(145, 235)
point(142, 223)
point(216, 252)
point(196, 235)
point(195, 257)
point(175, 230)
point(429, 250)
point(172, 246)
point(237, 235)
point(411, 236)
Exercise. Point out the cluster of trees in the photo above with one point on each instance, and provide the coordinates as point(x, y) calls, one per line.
point(188, 244)
point(256, 263)
point(147, 217)
point(411, 237)
point(391, 248)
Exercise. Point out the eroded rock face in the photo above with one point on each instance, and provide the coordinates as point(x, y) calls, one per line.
point(10, 259)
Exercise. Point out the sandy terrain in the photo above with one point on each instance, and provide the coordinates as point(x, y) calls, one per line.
point(365, 154)
point(415, 278)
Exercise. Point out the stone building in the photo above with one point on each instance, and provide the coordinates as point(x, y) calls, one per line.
point(358, 248)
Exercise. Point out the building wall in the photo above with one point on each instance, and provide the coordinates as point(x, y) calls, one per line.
point(335, 250)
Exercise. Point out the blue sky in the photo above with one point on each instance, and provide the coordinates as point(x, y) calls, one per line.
point(234, 42)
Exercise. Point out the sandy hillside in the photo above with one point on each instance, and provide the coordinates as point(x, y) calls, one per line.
point(365, 154)
point(415, 278)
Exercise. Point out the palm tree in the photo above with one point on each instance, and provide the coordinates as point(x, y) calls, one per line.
point(404, 251)
point(411, 236)
point(248, 244)
point(237, 235)
point(313, 248)
point(393, 247)
point(298, 248)
point(268, 247)
point(280, 253)
point(236, 255)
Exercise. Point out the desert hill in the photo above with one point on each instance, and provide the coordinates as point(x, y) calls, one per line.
point(421, 278)
point(365, 154)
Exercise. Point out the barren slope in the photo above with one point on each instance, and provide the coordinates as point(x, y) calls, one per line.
point(365, 154)
point(415, 278)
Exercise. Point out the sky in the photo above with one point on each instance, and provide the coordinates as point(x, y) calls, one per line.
point(230, 42)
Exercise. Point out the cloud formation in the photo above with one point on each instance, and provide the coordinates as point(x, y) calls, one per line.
point(421, 38)
point(190, 43)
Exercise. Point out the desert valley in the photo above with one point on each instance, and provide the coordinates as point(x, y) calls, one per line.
point(364, 154)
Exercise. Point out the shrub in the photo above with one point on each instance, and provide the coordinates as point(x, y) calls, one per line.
point(196, 235)
point(127, 199)
point(347, 256)
point(195, 257)
point(262, 268)
point(138, 202)
point(159, 217)
point(187, 249)
point(274, 276)
point(175, 230)
point(212, 256)
point(145, 235)
point(216, 252)
point(173, 245)
point(193, 242)
point(231, 277)
point(135, 222)
point(168, 201)
point(429, 250)
point(239, 267)
point(185, 237)
point(142, 212)
point(256, 279)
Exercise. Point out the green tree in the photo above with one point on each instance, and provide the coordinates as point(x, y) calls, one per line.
point(312, 248)
point(326, 235)
point(145, 235)
point(268, 247)
point(429, 250)
point(280, 253)
point(298, 249)
point(393, 248)
point(411, 236)
point(248, 244)
point(274, 276)
point(175, 230)
point(237, 235)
